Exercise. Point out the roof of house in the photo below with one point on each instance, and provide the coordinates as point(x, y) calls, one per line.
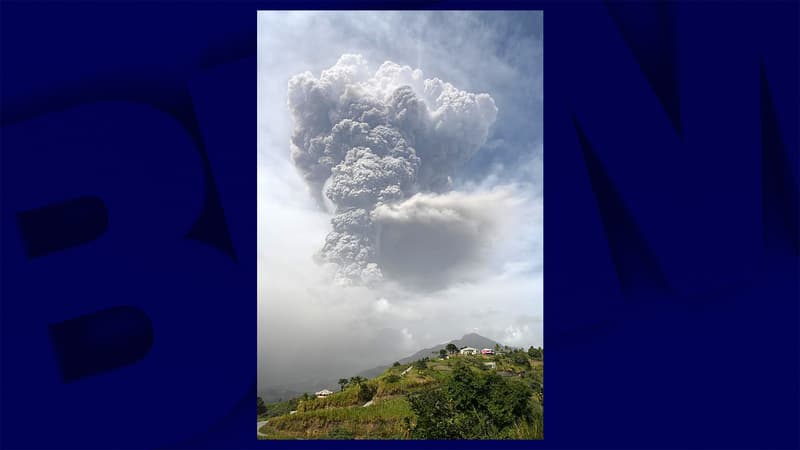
point(324, 392)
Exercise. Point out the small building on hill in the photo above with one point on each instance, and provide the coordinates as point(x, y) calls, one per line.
point(491, 365)
point(468, 351)
point(323, 393)
point(487, 351)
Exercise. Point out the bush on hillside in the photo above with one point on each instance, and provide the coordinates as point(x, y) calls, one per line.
point(421, 364)
point(471, 405)
point(536, 353)
point(519, 358)
point(261, 407)
point(434, 415)
point(366, 392)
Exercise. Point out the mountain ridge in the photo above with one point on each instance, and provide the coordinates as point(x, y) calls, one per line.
point(474, 340)
point(277, 393)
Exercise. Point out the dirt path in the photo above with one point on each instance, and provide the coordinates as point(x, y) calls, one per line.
point(258, 429)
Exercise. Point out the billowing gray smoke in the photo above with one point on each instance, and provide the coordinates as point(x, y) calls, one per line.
point(364, 140)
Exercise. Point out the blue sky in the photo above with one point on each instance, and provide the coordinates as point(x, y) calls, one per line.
point(498, 53)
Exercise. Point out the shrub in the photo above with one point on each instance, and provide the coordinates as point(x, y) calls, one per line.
point(262, 408)
point(393, 378)
point(520, 359)
point(536, 353)
point(366, 392)
point(463, 387)
point(473, 405)
point(434, 415)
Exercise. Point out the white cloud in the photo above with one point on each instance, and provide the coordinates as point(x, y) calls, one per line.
point(382, 305)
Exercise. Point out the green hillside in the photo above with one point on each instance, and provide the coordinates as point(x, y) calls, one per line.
point(473, 340)
point(456, 398)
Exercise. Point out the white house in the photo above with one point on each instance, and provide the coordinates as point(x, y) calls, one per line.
point(323, 393)
point(490, 365)
point(468, 351)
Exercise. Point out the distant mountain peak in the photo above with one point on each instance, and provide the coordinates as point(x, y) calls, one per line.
point(473, 335)
point(474, 340)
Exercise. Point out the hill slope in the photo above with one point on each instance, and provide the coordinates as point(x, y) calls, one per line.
point(468, 340)
point(272, 394)
point(382, 408)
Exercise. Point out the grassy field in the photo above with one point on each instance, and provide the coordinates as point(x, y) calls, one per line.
point(382, 420)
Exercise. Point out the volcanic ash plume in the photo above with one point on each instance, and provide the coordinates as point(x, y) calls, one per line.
point(365, 140)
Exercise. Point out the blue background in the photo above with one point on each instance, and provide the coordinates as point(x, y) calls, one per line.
point(128, 224)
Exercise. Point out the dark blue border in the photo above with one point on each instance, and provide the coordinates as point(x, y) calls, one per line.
point(128, 223)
